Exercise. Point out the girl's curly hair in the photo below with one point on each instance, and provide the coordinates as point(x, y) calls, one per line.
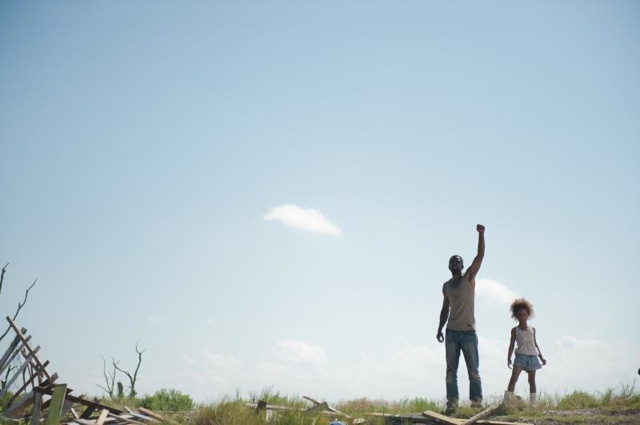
point(518, 304)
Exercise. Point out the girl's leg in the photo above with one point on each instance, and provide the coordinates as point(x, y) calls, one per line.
point(532, 381)
point(532, 387)
point(514, 378)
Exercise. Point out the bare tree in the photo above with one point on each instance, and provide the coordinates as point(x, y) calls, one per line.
point(132, 378)
point(109, 378)
point(20, 304)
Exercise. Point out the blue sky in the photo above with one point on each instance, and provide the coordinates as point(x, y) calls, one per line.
point(266, 194)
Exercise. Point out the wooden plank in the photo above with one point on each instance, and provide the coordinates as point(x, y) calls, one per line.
point(492, 422)
point(140, 415)
point(125, 418)
point(150, 413)
point(12, 347)
point(13, 355)
point(35, 417)
point(81, 421)
point(24, 387)
point(19, 406)
point(442, 418)
point(102, 417)
point(318, 408)
point(84, 402)
point(18, 372)
point(331, 409)
point(88, 411)
point(55, 407)
point(458, 421)
point(27, 346)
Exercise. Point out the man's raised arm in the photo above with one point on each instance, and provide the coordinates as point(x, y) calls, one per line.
point(477, 262)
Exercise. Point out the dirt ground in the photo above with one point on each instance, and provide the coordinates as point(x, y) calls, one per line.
point(581, 416)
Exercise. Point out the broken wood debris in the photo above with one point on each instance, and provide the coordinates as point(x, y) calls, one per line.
point(425, 418)
point(41, 399)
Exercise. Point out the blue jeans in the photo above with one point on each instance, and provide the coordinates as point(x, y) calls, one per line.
point(467, 342)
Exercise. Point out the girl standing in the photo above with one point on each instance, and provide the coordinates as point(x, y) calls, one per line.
point(527, 350)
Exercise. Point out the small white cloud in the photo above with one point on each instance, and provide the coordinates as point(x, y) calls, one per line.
point(494, 291)
point(220, 360)
point(301, 352)
point(301, 218)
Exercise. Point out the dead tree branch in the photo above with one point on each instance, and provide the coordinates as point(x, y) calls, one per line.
point(20, 304)
point(109, 378)
point(132, 378)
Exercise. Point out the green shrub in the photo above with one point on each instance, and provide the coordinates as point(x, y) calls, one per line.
point(577, 400)
point(165, 400)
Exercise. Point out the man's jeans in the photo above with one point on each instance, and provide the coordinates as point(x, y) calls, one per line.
point(467, 342)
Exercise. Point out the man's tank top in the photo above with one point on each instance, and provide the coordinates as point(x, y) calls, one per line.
point(462, 308)
point(526, 342)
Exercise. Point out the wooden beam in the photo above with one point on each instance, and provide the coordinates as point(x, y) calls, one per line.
point(84, 402)
point(30, 381)
point(27, 346)
point(150, 413)
point(486, 412)
point(13, 355)
point(55, 407)
point(102, 417)
point(19, 372)
point(12, 347)
point(35, 417)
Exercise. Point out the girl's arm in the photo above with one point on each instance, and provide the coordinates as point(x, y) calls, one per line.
point(511, 345)
point(544, 362)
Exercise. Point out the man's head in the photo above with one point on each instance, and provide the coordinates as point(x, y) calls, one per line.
point(455, 264)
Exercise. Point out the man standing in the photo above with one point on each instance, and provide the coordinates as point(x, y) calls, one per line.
point(458, 307)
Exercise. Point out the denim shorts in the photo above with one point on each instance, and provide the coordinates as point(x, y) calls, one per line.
point(526, 362)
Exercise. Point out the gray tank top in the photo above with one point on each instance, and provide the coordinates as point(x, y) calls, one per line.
point(462, 304)
point(526, 342)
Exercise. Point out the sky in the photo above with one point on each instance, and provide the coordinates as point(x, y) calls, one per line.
point(263, 196)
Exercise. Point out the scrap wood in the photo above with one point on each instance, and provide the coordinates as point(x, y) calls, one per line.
point(262, 405)
point(475, 419)
point(151, 413)
point(56, 404)
point(140, 415)
point(103, 416)
point(326, 407)
point(413, 418)
point(124, 418)
point(486, 412)
point(39, 365)
point(80, 400)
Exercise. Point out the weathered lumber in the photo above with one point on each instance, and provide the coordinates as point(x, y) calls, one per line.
point(327, 407)
point(103, 415)
point(13, 354)
point(140, 415)
point(475, 418)
point(35, 416)
point(80, 400)
point(55, 407)
point(12, 347)
point(125, 418)
point(26, 384)
point(19, 371)
point(458, 421)
point(17, 407)
point(27, 346)
point(150, 413)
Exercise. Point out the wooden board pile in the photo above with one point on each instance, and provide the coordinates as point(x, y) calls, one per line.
point(40, 398)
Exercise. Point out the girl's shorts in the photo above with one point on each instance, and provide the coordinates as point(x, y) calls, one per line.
point(526, 362)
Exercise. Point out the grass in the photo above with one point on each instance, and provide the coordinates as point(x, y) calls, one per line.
point(612, 406)
point(573, 408)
